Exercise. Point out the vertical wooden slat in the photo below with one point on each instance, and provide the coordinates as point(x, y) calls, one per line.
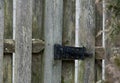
point(87, 39)
point(53, 34)
point(98, 39)
point(68, 67)
point(8, 18)
point(8, 15)
point(37, 68)
point(37, 33)
point(23, 41)
point(37, 19)
point(1, 38)
point(7, 68)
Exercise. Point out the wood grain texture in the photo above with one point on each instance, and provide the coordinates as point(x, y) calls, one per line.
point(98, 40)
point(87, 39)
point(8, 18)
point(53, 34)
point(37, 67)
point(37, 46)
point(9, 46)
point(99, 53)
point(23, 41)
point(99, 18)
point(68, 67)
point(38, 19)
point(37, 33)
point(8, 15)
point(7, 76)
point(1, 38)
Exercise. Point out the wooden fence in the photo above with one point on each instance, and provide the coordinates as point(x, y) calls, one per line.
point(39, 24)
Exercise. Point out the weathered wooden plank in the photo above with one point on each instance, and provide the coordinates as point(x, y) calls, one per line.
point(37, 19)
point(99, 52)
point(1, 38)
point(37, 46)
point(99, 18)
point(37, 33)
point(9, 46)
point(8, 10)
point(8, 18)
point(37, 67)
point(7, 78)
point(68, 67)
point(98, 70)
point(23, 41)
point(53, 34)
point(87, 39)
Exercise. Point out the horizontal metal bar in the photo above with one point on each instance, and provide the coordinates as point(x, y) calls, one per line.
point(70, 53)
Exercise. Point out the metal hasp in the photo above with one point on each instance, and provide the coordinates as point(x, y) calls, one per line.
point(70, 53)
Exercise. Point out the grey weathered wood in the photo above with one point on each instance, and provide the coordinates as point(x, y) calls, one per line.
point(99, 52)
point(7, 76)
point(87, 39)
point(37, 68)
point(8, 15)
point(53, 34)
point(68, 67)
point(1, 38)
point(8, 18)
point(9, 46)
point(98, 40)
point(23, 41)
point(37, 33)
point(37, 46)
point(37, 19)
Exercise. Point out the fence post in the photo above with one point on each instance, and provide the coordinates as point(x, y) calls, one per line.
point(23, 41)
point(87, 39)
point(53, 34)
point(1, 38)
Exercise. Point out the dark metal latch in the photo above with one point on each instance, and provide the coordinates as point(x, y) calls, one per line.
point(70, 53)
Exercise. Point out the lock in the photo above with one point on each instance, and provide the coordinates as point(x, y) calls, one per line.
point(70, 53)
